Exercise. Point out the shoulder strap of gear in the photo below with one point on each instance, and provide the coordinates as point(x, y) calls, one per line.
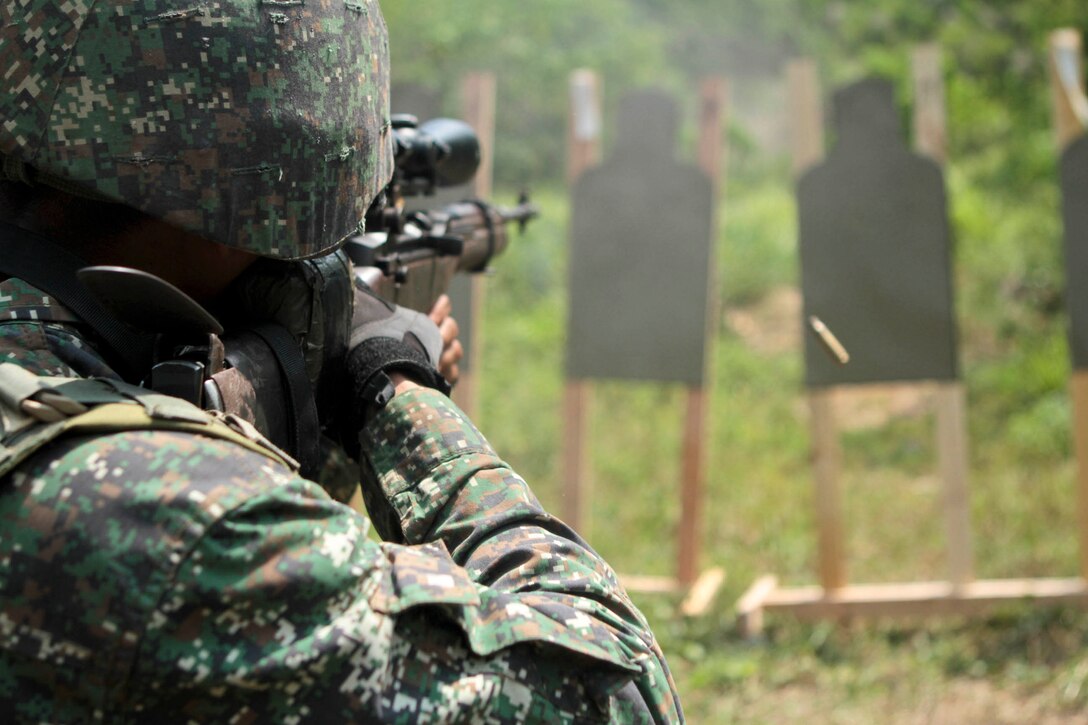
point(36, 410)
point(47, 266)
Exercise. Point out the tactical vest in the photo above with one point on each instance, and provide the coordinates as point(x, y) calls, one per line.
point(37, 410)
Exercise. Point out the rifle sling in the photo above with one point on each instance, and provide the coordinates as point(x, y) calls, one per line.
point(489, 223)
point(303, 428)
point(52, 269)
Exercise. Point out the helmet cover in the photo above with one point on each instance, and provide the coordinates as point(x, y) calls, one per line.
point(259, 124)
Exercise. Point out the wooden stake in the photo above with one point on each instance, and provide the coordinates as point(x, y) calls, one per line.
point(583, 151)
point(807, 126)
point(806, 114)
point(712, 154)
point(826, 463)
point(1067, 86)
point(930, 117)
point(576, 485)
point(953, 455)
point(931, 138)
point(693, 461)
point(691, 487)
point(584, 130)
point(478, 110)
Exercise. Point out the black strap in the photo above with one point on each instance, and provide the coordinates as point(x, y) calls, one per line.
point(303, 428)
point(489, 224)
point(52, 269)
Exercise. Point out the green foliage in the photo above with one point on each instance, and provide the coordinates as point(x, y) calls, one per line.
point(1009, 282)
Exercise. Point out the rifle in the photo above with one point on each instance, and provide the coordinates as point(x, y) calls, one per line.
point(282, 375)
point(410, 257)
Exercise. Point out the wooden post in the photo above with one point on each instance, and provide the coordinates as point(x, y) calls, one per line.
point(478, 111)
point(712, 94)
point(583, 151)
point(807, 127)
point(826, 463)
point(955, 470)
point(1067, 86)
point(806, 114)
point(930, 116)
point(693, 473)
point(584, 130)
point(931, 138)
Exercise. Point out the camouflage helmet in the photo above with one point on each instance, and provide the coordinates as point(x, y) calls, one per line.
point(259, 124)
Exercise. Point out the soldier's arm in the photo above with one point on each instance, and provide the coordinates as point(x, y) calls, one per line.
point(284, 607)
point(442, 482)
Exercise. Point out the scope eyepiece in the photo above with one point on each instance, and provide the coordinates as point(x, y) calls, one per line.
point(438, 153)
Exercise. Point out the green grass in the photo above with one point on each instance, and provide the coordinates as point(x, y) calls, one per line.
point(1022, 664)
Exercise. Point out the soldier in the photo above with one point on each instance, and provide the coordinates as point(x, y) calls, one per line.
point(159, 562)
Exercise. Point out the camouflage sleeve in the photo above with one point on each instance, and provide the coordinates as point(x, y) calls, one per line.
point(283, 610)
point(441, 482)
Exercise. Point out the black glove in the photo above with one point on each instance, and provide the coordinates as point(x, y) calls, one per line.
point(386, 338)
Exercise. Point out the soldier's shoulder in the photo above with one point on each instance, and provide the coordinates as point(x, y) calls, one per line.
point(170, 478)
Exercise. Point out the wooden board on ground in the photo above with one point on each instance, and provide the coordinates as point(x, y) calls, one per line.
point(913, 599)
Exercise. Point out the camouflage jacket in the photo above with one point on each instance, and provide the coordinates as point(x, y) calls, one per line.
point(154, 574)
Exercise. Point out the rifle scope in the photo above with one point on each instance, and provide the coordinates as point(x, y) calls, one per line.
point(438, 153)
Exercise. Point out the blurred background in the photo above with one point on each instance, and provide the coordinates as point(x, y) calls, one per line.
point(1020, 664)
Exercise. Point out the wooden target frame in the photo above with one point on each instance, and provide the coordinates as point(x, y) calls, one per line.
point(1070, 106)
point(835, 597)
point(584, 152)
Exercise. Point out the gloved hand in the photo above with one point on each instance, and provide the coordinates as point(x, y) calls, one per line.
point(385, 338)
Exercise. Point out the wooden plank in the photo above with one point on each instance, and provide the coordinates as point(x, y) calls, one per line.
point(930, 116)
point(826, 462)
point(923, 598)
point(1080, 441)
point(952, 449)
point(750, 605)
point(1067, 86)
point(702, 593)
point(806, 114)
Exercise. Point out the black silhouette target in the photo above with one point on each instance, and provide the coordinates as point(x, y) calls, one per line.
point(1074, 169)
point(875, 250)
point(640, 255)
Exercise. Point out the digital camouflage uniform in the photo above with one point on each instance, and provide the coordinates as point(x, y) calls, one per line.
point(167, 571)
point(155, 574)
